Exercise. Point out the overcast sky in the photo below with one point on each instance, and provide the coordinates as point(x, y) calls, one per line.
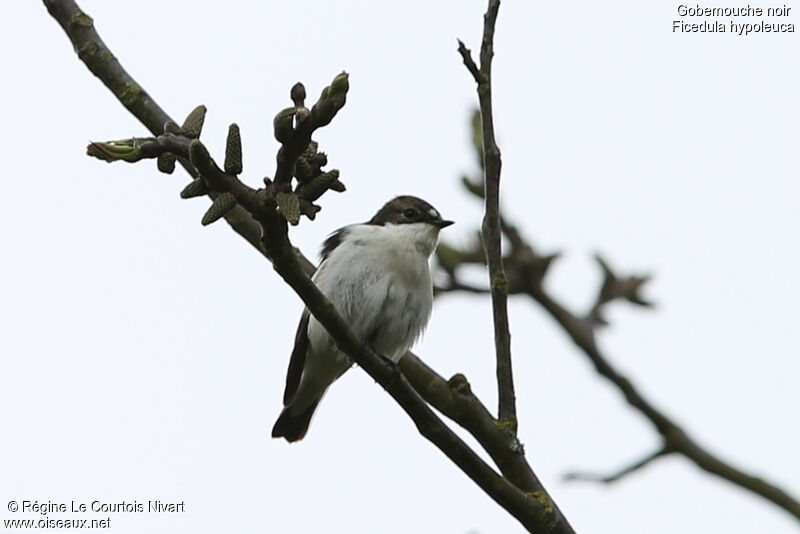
point(144, 355)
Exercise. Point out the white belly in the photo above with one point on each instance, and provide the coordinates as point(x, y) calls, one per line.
point(382, 289)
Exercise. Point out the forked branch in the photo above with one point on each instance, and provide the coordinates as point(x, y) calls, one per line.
point(261, 216)
point(527, 270)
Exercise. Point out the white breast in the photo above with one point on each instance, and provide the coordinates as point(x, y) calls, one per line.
point(379, 280)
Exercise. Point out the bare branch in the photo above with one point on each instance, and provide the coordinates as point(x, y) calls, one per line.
point(608, 479)
point(455, 399)
point(491, 232)
point(581, 329)
point(615, 287)
point(676, 437)
point(466, 55)
point(455, 285)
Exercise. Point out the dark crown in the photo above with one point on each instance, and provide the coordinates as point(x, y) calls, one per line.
point(407, 209)
point(400, 210)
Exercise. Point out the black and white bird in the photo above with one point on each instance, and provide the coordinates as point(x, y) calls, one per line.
point(377, 276)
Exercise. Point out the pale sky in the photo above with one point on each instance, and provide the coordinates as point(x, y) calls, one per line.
point(144, 355)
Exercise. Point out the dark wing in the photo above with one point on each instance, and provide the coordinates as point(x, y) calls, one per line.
point(333, 241)
point(297, 360)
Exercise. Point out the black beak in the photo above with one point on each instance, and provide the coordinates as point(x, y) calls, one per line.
point(442, 224)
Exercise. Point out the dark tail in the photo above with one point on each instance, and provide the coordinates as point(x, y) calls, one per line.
point(293, 427)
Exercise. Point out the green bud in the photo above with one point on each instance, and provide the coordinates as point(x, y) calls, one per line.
point(125, 150)
point(166, 162)
point(316, 187)
point(289, 206)
point(233, 151)
point(223, 204)
point(193, 124)
point(319, 160)
point(308, 209)
point(196, 188)
point(331, 100)
point(298, 94)
point(337, 186)
point(339, 86)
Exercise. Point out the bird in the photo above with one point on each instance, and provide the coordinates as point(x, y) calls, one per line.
point(377, 276)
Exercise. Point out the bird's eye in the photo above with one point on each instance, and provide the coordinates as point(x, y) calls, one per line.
point(409, 213)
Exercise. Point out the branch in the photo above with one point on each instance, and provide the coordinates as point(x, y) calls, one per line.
point(525, 497)
point(676, 438)
point(614, 288)
point(91, 49)
point(526, 273)
point(533, 510)
point(491, 232)
point(102, 63)
point(466, 55)
point(456, 285)
point(609, 479)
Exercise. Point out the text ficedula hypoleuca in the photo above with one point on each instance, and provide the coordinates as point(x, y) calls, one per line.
point(377, 276)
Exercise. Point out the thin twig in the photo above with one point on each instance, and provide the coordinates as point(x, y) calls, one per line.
point(455, 285)
point(491, 231)
point(466, 55)
point(614, 477)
